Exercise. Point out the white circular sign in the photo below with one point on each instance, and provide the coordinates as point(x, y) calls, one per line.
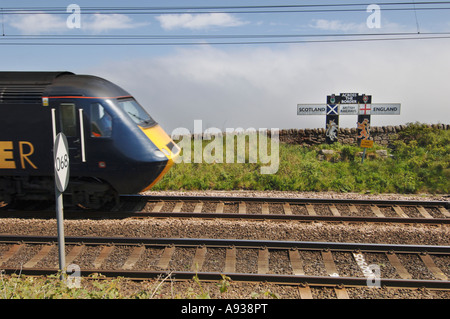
point(61, 160)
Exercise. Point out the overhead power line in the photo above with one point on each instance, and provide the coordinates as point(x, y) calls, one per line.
point(221, 39)
point(301, 8)
point(209, 36)
point(216, 40)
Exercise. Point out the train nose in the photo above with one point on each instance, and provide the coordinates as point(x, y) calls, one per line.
point(167, 149)
point(162, 141)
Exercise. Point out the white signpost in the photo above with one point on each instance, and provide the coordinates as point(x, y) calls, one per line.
point(386, 109)
point(61, 161)
point(351, 109)
point(311, 109)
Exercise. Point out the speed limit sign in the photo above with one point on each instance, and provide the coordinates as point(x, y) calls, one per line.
point(61, 160)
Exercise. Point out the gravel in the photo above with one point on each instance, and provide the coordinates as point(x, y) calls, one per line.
point(247, 261)
point(214, 260)
point(279, 262)
point(216, 228)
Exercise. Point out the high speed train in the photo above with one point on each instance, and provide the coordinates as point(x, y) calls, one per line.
point(115, 146)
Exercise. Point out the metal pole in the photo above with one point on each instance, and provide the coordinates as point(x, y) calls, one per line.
point(60, 223)
point(364, 155)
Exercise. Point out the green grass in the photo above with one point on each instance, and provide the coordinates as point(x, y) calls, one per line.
point(419, 162)
point(51, 287)
point(97, 286)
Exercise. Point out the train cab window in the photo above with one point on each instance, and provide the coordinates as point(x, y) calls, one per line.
point(68, 119)
point(136, 112)
point(101, 121)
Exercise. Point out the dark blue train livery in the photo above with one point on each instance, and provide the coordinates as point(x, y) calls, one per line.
point(115, 146)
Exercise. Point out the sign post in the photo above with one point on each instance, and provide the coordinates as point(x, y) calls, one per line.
point(363, 128)
point(61, 161)
point(332, 119)
point(349, 104)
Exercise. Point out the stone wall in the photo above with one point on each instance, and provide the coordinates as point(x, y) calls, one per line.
point(382, 135)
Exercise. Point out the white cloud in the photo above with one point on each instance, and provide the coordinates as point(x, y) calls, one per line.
point(37, 23)
point(49, 23)
point(104, 22)
point(336, 25)
point(198, 21)
point(351, 27)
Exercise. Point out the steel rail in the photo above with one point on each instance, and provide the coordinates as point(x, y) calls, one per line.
point(238, 243)
point(245, 277)
point(380, 202)
point(369, 219)
point(68, 214)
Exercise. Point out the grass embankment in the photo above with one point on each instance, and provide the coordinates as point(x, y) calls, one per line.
point(418, 162)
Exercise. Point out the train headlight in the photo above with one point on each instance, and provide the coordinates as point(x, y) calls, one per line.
point(165, 152)
point(158, 153)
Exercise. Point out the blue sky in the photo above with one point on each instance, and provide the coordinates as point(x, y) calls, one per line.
point(243, 85)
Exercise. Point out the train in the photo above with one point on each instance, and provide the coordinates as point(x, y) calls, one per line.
point(115, 147)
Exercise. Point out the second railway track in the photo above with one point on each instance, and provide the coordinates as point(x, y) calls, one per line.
point(282, 262)
point(265, 208)
point(277, 208)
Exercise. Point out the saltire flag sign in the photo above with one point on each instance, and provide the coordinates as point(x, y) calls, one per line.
point(332, 119)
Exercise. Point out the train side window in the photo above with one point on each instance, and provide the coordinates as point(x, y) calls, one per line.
point(68, 119)
point(101, 121)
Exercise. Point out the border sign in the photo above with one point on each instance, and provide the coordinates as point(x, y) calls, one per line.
point(311, 109)
point(350, 98)
point(61, 160)
point(348, 109)
point(386, 109)
point(349, 104)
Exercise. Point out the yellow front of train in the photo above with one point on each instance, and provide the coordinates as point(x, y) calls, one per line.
point(167, 147)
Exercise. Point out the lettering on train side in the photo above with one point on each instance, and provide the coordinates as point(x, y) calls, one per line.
point(7, 160)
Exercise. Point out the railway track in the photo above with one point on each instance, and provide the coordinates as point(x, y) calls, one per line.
point(306, 264)
point(300, 209)
point(260, 208)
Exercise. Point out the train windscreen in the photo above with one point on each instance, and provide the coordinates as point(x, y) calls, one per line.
point(136, 112)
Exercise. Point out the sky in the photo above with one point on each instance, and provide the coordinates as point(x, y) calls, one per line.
point(234, 65)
